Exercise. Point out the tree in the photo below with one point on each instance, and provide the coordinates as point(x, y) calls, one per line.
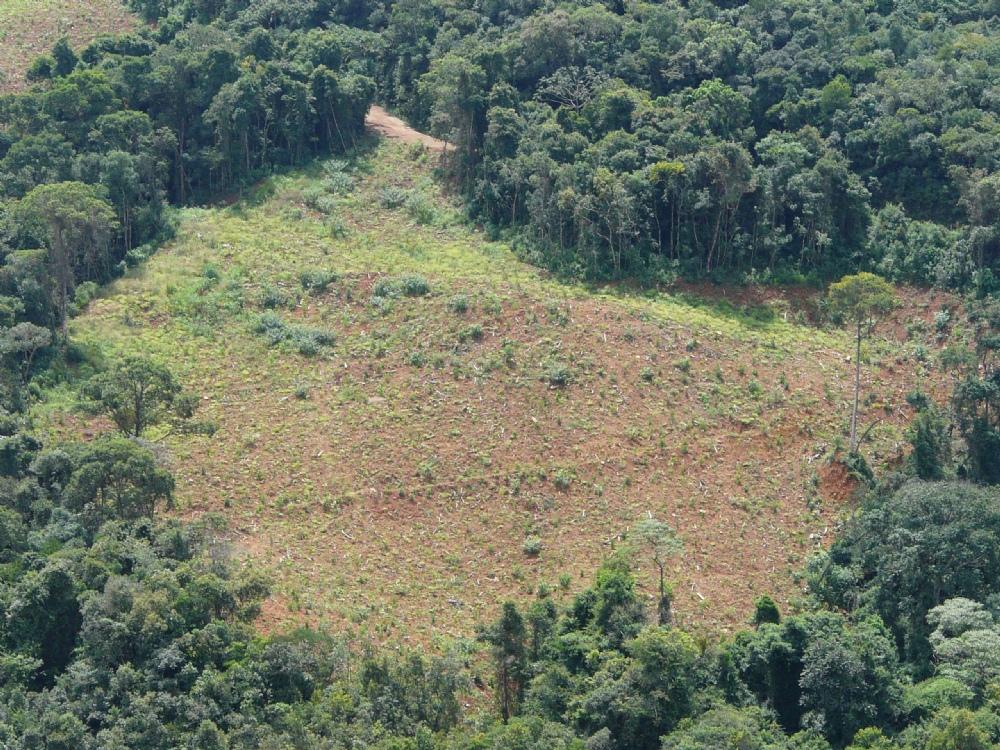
point(138, 393)
point(506, 638)
point(660, 542)
point(76, 225)
point(861, 300)
point(910, 551)
point(23, 341)
point(118, 478)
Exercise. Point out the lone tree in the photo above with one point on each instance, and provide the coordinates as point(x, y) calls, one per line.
point(861, 300)
point(660, 541)
point(138, 393)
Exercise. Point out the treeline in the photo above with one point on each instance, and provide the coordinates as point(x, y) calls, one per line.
point(121, 631)
point(781, 140)
point(94, 152)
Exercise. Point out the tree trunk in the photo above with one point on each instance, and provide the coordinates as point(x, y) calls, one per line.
point(857, 393)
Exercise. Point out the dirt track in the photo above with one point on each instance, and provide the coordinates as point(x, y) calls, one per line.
point(392, 127)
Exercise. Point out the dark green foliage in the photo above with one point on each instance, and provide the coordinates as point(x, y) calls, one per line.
point(137, 393)
point(507, 643)
point(909, 551)
point(765, 611)
point(718, 138)
point(929, 436)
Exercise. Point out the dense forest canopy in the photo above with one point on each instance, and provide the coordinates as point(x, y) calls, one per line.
point(753, 141)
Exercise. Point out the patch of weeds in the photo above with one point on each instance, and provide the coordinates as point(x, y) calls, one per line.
point(473, 332)
point(557, 313)
point(420, 209)
point(302, 393)
point(532, 546)
point(392, 197)
point(426, 469)
point(305, 340)
point(271, 298)
point(336, 179)
point(647, 375)
point(558, 375)
point(336, 228)
point(562, 479)
point(691, 345)
point(459, 304)
point(417, 359)
point(319, 200)
point(684, 365)
point(317, 280)
point(491, 304)
point(410, 285)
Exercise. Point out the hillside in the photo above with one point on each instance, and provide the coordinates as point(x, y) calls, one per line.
point(495, 435)
point(29, 28)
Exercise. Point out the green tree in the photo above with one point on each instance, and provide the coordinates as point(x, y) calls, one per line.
point(507, 644)
point(138, 393)
point(118, 478)
point(861, 300)
point(660, 542)
point(76, 224)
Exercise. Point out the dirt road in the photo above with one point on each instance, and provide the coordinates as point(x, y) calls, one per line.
point(392, 127)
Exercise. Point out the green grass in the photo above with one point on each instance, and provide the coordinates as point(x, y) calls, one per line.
point(389, 479)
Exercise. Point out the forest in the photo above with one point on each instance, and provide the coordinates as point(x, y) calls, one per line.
point(627, 143)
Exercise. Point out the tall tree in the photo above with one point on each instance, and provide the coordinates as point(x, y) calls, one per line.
point(861, 300)
point(76, 225)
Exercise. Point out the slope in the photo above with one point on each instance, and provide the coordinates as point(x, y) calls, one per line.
point(493, 434)
point(29, 28)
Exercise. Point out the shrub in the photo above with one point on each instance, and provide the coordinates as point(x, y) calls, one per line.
point(414, 285)
point(317, 281)
point(459, 304)
point(386, 288)
point(471, 333)
point(532, 546)
point(558, 375)
point(271, 327)
point(392, 197)
point(272, 297)
point(85, 292)
point(562, 479)
point(390, 287)
point(309, 341)
point(420, 209)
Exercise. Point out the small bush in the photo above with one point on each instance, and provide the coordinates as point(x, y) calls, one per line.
point(272, 297)
point(420, 209)
point(558, 375)
point(387, 288)
point(647, 375)
point(414, 285)
point(310, 341)
point(304, 339)
point(471, 333)
point(271, 327)
point(684, 365)
point(336, 227)
point(392, 197)
point(562, 479)
point(85, 293)
point(459, 304)
point(532, 546)
point(316, 281)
